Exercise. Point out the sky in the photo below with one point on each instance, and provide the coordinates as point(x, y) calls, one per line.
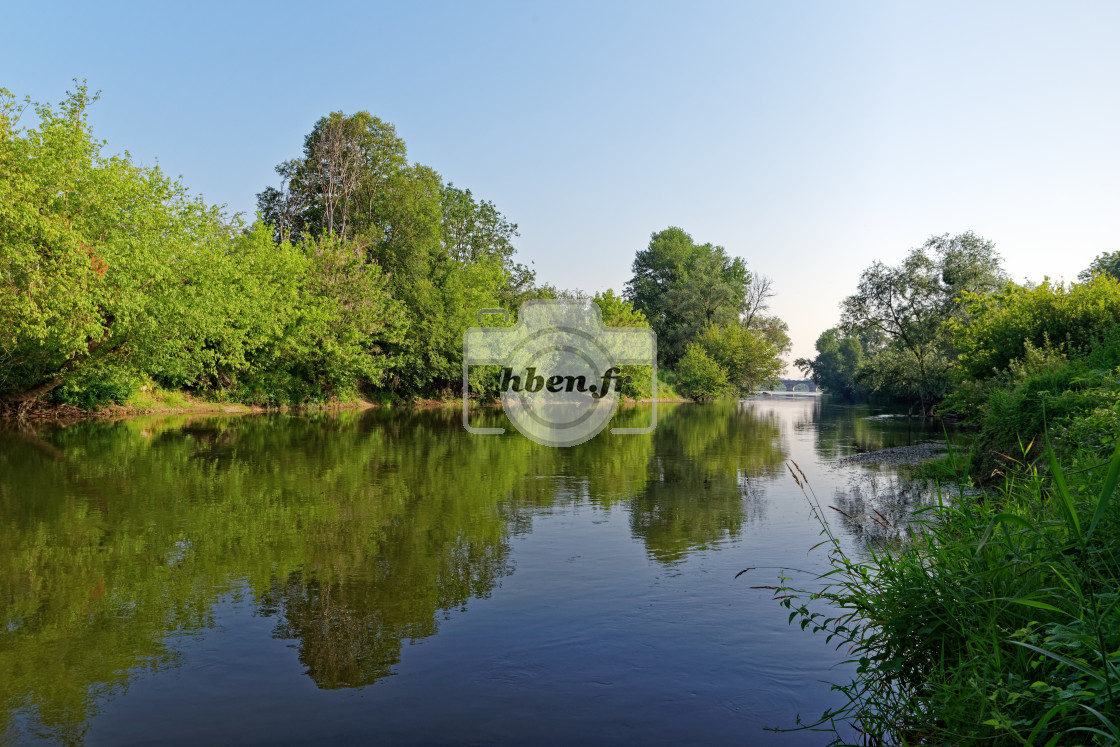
point(812, 138)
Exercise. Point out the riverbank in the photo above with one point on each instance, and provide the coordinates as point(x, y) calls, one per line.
point(183, 403)
point(996, 621)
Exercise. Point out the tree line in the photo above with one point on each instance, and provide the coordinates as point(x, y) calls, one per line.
point(947, 331)
point(358, 278)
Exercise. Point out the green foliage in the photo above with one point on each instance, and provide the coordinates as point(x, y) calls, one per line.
point(444, 254)
point(999, 326)
point(1076, 399)
point(837, 365)
point(908, 309)
point(748, 359)
point(618, 312)
point(92, 391)
point(681, 287)
point(700, 377)
point(363, 276)
point(94, 254)
point(998, 621)
point(1040, 358)
point(339, 319)
point(1107, 263)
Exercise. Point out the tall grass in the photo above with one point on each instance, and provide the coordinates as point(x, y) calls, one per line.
point(997, 621)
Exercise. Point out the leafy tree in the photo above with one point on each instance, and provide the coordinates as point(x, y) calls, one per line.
point(334, 341)
point(749, 359)
point(1000, 327)
point(700, 377)
point(351, 165)
point(96, 258)
point(618, 312)
point(444, 254)
point(681, 287)
point(1107, 263)
point(836, 367)
point(910, 306)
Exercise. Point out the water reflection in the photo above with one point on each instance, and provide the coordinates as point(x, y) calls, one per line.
point(353, 533)
point(704, 478)
point(842, 429)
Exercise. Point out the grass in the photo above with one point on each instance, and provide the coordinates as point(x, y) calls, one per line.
point(152, 397)
point(997, 621)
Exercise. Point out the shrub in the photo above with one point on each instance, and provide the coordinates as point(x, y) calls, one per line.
point(699, 377)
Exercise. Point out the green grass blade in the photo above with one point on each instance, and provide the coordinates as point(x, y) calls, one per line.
point(1042, 724)
point(1103, 719)
point(1032, 603)
point(1107, 491)
point(1064, 497)
point(1058, 657)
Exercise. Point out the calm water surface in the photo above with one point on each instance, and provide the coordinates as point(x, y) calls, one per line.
point(386, 577)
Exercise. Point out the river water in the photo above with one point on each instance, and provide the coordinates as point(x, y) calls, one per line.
point(386, 577)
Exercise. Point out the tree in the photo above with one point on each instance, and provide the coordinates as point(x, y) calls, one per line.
point(443, 253)
point(1002, 327)
point(474, 231)
point(759, 293)
point(911, 305)
point(335, 340)
point(1107, 263)
point(97, 257)
point(836, 368)
point(699, 377)
point(618, 312)
point(748, 359)
point(682, 286)
point(348, 168)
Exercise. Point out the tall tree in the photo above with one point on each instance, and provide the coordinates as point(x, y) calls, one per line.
point(102, 262)
point(682, 287)
point(442, 252)
point(911, 305)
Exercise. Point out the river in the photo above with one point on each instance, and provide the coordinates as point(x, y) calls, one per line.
point(386, 577)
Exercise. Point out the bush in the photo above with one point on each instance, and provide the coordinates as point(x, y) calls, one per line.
point(998, 328)
point(699, 377)
point(90, 393)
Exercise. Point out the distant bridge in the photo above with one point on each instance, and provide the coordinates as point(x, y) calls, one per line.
point(798, 385)
point(768, 393)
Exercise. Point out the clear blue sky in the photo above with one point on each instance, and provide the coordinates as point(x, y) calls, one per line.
point(809, 138)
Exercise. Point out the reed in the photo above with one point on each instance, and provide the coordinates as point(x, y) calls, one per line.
point(996, 620)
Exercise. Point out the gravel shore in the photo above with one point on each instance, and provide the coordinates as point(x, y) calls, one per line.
point(898, 455)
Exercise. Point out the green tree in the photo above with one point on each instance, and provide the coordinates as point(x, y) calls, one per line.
point(836, 367)
point(618, 312)
point(910, 307)
point(444, 254)
point(681, 287)
point(334, 339)
point(748, 357)
point(1000, 327)
point(101, 261)
point(1107, 263)
point(700, 377)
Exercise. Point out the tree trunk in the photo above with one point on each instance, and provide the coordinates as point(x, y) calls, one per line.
point(34, 393)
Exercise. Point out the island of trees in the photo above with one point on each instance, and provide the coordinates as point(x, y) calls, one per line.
point(357, 279)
